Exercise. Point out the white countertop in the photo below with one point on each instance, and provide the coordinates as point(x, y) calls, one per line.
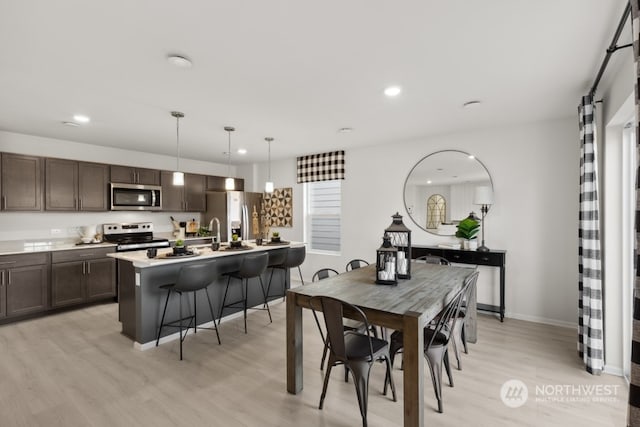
point(14, 247)
point(140, 259)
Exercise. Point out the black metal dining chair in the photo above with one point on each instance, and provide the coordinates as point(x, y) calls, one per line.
point(459, 336)
point(324, 273)
point(356, 351)
point(433, 259)
point(437, 336)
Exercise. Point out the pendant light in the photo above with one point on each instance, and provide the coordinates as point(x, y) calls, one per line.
point(229, 183)
point(268, 186)
point(178, 176)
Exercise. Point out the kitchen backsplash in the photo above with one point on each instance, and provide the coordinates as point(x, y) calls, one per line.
point(57, 225)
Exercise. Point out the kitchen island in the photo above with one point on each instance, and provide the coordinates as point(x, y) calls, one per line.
point(141, 300)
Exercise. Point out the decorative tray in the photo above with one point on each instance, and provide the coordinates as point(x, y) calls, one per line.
point(241, 248)
point(281, 242)
point(171, 255)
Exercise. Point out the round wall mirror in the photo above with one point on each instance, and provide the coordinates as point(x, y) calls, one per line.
point(439, 190)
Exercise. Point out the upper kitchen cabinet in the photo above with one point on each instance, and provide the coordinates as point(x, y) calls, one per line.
point(21, 182)
point(189, 198)
point(216, 183)
point(75, 186)
point(129, 175)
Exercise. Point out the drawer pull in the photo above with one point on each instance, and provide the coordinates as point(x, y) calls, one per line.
point(86, 255)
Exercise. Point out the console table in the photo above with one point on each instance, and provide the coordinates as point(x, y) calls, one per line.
point(493, 258)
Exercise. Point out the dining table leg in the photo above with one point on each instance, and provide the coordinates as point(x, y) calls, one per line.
point(294, 345)
point(413, 373)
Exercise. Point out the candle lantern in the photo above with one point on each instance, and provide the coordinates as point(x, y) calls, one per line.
point(400, 237)
point(386, 262)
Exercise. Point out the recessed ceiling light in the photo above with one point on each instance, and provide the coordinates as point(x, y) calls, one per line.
point(428, 181)
point(345, 130)
point(72, 124)
point(471, 156)
point(392, 91)
point(242, 151)
point(79, 118)
point(179, 61)
point(471, 104)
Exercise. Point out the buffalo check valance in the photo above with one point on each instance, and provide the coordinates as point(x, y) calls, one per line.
point(321, 167)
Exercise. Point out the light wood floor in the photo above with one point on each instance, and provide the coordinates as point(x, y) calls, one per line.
point(76, 369)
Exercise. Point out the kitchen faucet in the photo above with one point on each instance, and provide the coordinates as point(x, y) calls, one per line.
point(217, 235)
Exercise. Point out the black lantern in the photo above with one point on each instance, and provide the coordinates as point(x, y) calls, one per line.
point(386, 262)
point(400, 237)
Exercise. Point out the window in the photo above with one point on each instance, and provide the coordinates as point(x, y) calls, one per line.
point(322, 215)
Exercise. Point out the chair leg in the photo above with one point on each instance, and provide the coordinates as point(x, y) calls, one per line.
point(447, 366)
point(300, 272)
point(456, 342)
point(213, 316)
point(463, 335)
point(181, 339)
point(244, 287)
point(324, 354)
point(195, 312)
point(163, 314)
point(388, 378)
point(434, 357)
point(266, 303)
point(224, 298)
point(360, 372)
point(326, 382)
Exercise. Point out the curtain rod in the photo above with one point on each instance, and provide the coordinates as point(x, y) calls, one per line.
point(612, 48)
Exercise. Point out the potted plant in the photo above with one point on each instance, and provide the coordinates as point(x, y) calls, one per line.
point(468, 231)
point(275, 237)
point(179, 247)
point(235, 241)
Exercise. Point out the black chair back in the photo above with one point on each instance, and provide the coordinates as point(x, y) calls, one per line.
point(253, 265)
point(433, 259)
point(277, 256)
point(195, 276)
point(355, 263)
point(324, 273)
point(295, 257)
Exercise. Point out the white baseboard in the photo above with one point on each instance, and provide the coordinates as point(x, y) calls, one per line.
point(542, 320)
point(613, 370)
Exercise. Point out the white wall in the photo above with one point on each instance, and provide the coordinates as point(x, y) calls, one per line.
point(38, 225)
point(535, 217)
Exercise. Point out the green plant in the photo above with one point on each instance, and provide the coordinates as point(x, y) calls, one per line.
point(468, 229)
point(179, 243)
point(234, 237)
point(276, 234)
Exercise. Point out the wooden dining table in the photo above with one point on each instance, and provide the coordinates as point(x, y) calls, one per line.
point(407, 306)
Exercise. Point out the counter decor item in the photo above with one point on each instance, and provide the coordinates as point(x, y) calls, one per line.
point(468, 231)
point(275, 237)
point(400, 237)
point(386, 262)
point(215, 245)
point(235, 242)
point(179, 248)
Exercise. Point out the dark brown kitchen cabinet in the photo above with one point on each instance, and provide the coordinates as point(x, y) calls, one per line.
point(24, 284)
point(188, 198)
point(75, 186)
point(21, 182)
point(131, 175)
point(82, 275)
point(216, 183)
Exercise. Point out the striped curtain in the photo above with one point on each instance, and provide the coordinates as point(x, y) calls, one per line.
point(633, 418)
point(590, 339)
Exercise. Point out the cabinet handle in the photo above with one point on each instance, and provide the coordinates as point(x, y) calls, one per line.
point(2, 278)
point(4, 202)
point(137, 177)
point(7, 262)
point(84, 268)
point(88, 267)
point(86, 255)
point(8, 277)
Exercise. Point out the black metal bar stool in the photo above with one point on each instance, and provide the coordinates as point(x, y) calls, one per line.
point(251, 266)
point(295, 258)
point(191, 279)
point(276, 258)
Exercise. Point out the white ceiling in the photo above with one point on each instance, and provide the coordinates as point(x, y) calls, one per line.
point(294, 70)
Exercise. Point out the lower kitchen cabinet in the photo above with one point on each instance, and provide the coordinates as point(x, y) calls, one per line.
point(24, 281)
point(83, 275)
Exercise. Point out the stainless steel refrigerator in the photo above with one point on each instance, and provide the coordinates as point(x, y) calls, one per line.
point(234, 210)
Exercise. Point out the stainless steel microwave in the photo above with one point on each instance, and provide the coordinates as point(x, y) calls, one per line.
point(134, 197)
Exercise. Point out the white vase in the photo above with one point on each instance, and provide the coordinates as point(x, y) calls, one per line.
point(465, 244)
point(472, 245)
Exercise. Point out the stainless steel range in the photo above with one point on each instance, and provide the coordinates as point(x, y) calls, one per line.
point(132, 236)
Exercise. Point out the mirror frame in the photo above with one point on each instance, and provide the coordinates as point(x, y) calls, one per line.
point(404, 187)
